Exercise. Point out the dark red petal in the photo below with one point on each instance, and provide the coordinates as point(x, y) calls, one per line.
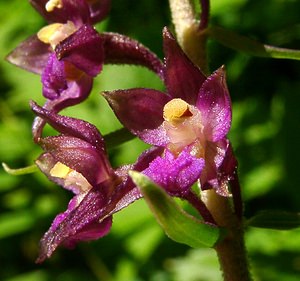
point(183, 79)
point(31, 55)
point(81, 223)
point(220, 166)
point(78, 155)
point(141, 112)
point(84, 49)
point(71, 126)
point(99, 9)
point(73, 10)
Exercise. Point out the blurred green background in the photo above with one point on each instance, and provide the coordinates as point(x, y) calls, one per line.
point(265, 136)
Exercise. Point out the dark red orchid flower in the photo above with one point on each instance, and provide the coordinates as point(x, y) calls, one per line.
point(77, 160)
point(69, 52)
point(190, 122)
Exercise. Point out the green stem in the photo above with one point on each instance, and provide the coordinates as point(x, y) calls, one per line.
point(231, 250)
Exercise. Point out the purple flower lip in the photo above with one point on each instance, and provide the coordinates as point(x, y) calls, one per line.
point(175, 174)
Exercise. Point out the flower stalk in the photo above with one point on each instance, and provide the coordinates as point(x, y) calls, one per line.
point(231, 250)
point(190, 33)
point(199, 205)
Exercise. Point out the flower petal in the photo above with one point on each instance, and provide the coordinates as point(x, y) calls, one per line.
point(127, 192)
point(80, 223)
point(71, 126)
point(76, 11)
point(141, 112)
point(99, 9)
point(78, 155)
point(175, 175)
point(81, 147)
point(77, 91)
point(61, 89)
point(215, 106)
point(31, 55)
point(54, 78)
point(183, 78)
point(84, 49)
point(220, 166)
point(120, 49)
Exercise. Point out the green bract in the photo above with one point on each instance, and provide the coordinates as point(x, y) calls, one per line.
point(177, 224)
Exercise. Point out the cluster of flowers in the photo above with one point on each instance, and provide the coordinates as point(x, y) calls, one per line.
point(186, 125)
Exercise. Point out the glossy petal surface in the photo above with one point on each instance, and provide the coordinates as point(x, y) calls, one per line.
point(220, 165)
point(73, 10)
point(215, 106)
point(141, 111)
point(81, 147)
point(84, 49)
point(31, 55)
point(79, 156)
point(76, 224)
point(54, 78)
point(183, 79)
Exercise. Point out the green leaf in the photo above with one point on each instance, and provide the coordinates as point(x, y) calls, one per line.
point(275, 219)
point(244, 44)
point(177, 224)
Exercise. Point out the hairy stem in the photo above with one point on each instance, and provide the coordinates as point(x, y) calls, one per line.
point(231, 251)
point(190, 37)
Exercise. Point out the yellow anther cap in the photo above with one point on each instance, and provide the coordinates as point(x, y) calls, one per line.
point(60, 170)
point(176, 109)
point(52, 4)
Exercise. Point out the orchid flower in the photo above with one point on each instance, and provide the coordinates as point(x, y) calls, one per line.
point(77, 160)
point(69, 52)
point(190, 122)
